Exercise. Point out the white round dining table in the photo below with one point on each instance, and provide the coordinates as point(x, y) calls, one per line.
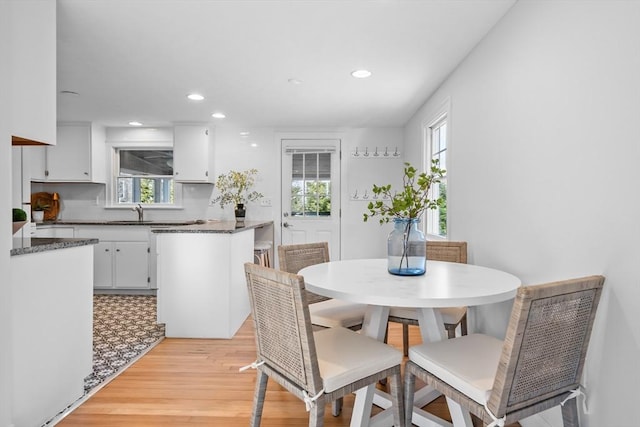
point(445, 284)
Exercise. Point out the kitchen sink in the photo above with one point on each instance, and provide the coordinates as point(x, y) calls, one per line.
point(158, 222)
point(128, 221)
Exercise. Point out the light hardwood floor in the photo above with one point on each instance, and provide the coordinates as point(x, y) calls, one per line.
point(191, 382)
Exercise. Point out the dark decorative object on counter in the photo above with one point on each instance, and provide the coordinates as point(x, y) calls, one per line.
point(240, 212)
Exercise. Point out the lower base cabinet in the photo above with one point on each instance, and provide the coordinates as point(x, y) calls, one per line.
point(202, 289)
point(121, 258)
point(121, 265)
point(52, 332)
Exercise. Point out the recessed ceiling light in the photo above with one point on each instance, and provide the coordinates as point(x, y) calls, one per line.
point(254, 144)
point(195, 97)
point(295, 81)
point(135, 124)
point(245, 134)
point(361, 74)
point(218, 115)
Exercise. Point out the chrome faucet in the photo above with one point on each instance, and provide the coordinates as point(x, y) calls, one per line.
point(140, 212)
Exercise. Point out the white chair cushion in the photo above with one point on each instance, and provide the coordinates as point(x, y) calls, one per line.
point(451, 315)
point(468, 363)
point(335, 313)
point(345, 356)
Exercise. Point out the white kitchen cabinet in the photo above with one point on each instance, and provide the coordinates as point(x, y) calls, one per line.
point(202, 290)
point(103, 265)
point(131, 265)
point(193, 154)
point(79, 154)
point(121, 265)
point(34, 163)
point(53, 231)
point(32, 63)
point(121, 258)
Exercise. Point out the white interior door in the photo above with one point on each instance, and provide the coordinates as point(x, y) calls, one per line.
point(311, 192)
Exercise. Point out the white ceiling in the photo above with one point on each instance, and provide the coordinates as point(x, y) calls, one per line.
point(138, 59)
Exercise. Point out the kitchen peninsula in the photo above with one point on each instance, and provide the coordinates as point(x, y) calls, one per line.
point(202, 291)
point(51, 324)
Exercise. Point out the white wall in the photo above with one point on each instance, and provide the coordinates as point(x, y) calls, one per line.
point(5, 205)
point(360, 239)
point(544, 170)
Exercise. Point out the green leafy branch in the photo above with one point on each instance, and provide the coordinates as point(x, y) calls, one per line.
point(412, 201)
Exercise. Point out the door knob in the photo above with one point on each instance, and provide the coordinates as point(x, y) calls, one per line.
point(286, 225)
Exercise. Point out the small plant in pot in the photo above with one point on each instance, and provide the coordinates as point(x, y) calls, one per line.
point(235, 188)
point(38, 211)
point(406, 245)
point(19, 219)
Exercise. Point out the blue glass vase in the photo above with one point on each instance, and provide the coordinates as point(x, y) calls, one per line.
point(406, 248)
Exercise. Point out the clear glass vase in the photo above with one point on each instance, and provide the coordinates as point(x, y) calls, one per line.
point(406, 248)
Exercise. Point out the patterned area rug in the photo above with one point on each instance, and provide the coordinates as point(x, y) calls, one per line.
point(124, 327)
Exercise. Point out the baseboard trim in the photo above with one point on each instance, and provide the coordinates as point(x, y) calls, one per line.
point(125, 292)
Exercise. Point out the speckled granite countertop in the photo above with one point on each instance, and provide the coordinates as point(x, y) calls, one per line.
point(215, 227)
point(30, 245)
point(160, 222)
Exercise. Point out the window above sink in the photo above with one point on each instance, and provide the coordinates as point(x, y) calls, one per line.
point(144, 176)
point(142, 172)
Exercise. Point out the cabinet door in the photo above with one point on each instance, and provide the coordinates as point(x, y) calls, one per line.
point(131, 265)
point(32, 70)
point(70, 159)
point(192, 154)
point(34, 163)
point(103, 265)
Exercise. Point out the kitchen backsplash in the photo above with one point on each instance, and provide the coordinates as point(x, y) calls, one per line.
point(86, 201)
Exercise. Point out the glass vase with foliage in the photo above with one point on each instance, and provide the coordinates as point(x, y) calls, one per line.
point(405, 207)
point(235, 188)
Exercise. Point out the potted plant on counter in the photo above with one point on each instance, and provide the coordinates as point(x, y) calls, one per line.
point(406, 245)
point(19, 219)
point(38, 211)
point(235, 188)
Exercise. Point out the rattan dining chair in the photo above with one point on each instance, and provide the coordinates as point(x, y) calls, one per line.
point(452, 316)
point(325, 312)
point(536, 367)
point(317, 367)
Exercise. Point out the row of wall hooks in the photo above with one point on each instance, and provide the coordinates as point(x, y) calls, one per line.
point(376, 153)
point(366, 195)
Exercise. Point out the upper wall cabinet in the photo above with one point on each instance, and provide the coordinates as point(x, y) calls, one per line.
point(193, 154)
point(79, 155)
point(32, 62)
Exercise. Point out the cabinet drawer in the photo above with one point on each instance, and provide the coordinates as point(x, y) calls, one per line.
point(130, 233)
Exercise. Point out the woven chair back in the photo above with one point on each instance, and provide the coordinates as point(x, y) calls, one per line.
point(546, 343)
point(447, 251)
point(284, 337)
point(294, 258)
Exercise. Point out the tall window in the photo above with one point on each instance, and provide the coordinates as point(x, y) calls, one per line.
point(437, 144)
point(311, 184)
point(144, 176)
